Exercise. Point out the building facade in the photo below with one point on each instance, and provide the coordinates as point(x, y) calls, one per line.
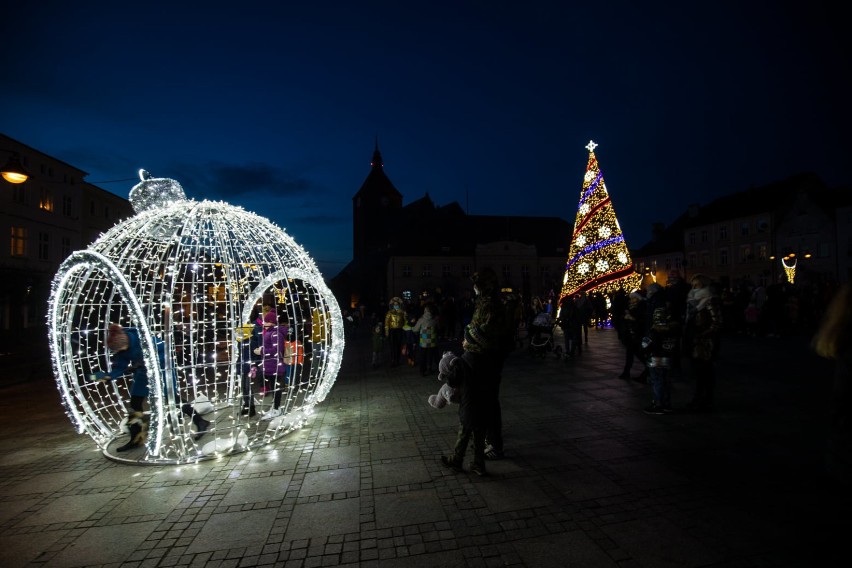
point(43, 220)
point(753, 237)
point(421, 248)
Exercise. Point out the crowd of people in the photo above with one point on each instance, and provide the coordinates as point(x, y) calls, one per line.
point(667, 331)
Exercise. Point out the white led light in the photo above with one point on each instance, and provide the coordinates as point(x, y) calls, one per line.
point(188, 275)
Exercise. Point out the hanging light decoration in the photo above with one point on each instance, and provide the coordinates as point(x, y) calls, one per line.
point(189, 277)
point(790, 267)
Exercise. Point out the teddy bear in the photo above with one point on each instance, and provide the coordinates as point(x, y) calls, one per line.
point(447, 367)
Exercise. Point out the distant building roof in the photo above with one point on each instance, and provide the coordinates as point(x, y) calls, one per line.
point(377, 184)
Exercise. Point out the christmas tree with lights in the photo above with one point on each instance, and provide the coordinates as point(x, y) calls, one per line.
point(598, 259)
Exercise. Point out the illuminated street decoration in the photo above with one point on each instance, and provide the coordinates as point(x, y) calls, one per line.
point(598, 258)
point(790, 269)
point(189, 276)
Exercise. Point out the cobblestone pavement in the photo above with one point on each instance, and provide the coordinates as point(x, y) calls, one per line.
point(588, 479)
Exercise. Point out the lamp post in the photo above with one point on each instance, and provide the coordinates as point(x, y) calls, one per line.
point(14, 171)
point(789, 261)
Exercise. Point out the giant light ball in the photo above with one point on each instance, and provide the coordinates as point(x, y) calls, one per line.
point(190, 277)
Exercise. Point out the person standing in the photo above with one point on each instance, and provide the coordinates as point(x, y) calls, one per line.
point(427, 330)
point(702, 329)
point(660, 347)
point(569, 320)
point(585, 310)
point(394, 320)
point(274, 353)
point(249, 338)
point(633, 329)
point(485, 349)
point(378, 344)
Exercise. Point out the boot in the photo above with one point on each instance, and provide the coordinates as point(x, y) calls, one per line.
point(138, 432)
point(201, 426)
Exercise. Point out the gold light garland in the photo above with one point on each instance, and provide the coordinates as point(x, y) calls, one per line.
point(598, 257)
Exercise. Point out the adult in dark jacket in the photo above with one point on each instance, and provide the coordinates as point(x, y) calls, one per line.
point(250, 338)
point(484, 348)
point(571, 323)
point(633, 329)
point(702, 329)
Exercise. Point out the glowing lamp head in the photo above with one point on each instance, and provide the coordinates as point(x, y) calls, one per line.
point(14, 171)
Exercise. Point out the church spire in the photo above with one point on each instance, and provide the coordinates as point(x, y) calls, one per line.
point(377, 156)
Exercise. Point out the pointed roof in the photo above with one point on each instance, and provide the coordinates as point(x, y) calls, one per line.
point(377, 184)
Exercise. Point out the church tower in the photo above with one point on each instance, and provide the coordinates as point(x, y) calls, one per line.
point(373, 207)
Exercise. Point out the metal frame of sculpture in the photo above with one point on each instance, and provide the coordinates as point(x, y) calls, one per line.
point(189, 276)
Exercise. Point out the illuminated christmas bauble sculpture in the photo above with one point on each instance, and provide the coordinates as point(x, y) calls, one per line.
point(191, 278)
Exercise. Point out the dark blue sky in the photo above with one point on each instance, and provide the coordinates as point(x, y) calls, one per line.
point(275, 106)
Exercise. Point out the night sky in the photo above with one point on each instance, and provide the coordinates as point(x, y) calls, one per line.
point(277, 108)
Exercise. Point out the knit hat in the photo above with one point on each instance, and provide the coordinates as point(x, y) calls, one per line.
point(116, 338)
point(636, 296)
point(270, 317)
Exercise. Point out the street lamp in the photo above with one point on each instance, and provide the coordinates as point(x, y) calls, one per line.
point(14, 171)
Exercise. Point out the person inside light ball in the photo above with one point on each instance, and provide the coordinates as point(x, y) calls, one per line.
point(126, 347)
point(275, 352)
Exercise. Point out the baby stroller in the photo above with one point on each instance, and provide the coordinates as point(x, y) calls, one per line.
point(541, 336)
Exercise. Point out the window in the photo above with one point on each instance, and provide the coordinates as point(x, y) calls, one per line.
point(762, 225)
point(744, 229)
point(704, 236)
point(507, 271)
point(66, 247)
point(44, 246)
point(705, 258)
point(106, 211)
point(723, 257)
point(723, 232)
point(19, 242)
point(693, 259)
point(465, 270)
point(692, 238)
point(525, 270)
point(445, 270)
point(406, 270)
point(427, 271)
point(67, 205)
point(762, 251)
point(745, 253)
point(668, 264)
point(45, 202)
